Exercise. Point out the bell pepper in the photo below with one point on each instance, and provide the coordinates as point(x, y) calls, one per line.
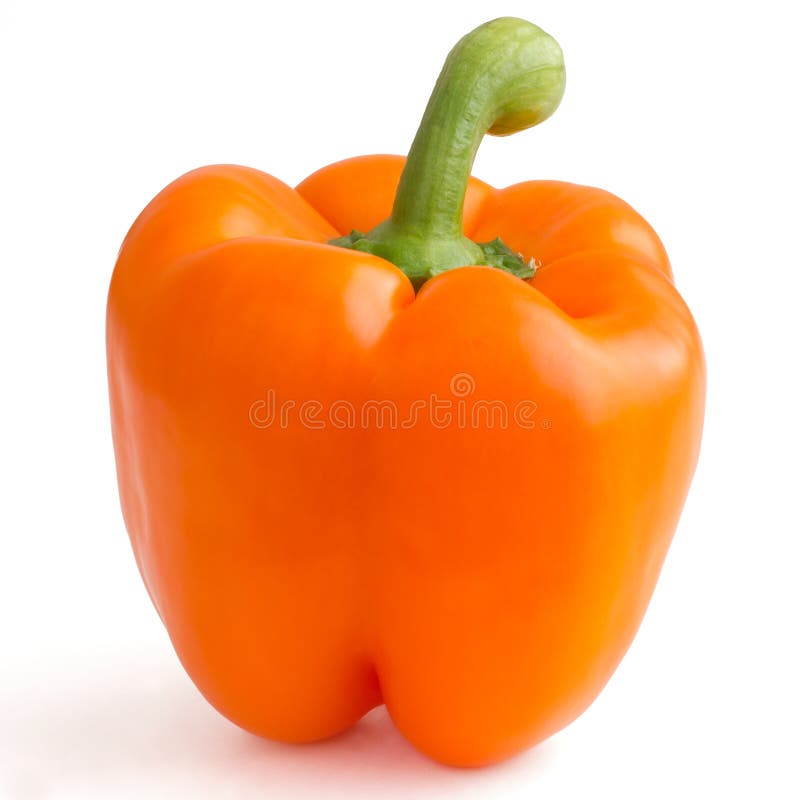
point(398, 437)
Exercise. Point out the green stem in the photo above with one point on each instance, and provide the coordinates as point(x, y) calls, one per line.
point(503, 77)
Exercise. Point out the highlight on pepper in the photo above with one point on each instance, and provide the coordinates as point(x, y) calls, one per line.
point(312, 560)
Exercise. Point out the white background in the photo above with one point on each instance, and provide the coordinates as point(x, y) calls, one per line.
point(686, 109)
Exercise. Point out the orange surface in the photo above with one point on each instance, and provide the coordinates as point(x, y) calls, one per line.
point(482, 582)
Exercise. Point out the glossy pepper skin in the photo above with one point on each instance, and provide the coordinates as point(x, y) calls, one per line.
point(482, 581)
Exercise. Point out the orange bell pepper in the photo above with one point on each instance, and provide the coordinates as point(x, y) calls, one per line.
point(401, 467)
